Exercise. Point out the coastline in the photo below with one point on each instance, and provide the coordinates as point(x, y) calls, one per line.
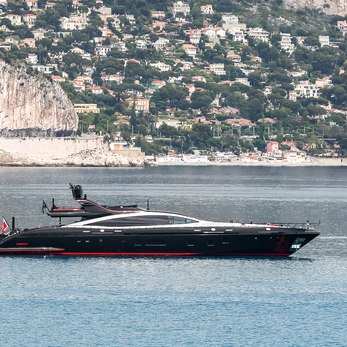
point(309, 162)
point(91, 151)
point(127, 163)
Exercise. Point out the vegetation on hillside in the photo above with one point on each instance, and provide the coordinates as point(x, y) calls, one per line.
point(271, 73)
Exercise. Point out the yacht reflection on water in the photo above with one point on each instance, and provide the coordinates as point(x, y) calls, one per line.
point(132, 231)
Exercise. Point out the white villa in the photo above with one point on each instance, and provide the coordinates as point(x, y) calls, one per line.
point(74, 22)
point(259, 34)
point(180, 7)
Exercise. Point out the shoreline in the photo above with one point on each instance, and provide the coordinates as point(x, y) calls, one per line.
point(93, 152)
point(319, 163)
point(311, 162)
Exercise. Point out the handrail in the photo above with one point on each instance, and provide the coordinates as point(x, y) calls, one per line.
point(302, 225)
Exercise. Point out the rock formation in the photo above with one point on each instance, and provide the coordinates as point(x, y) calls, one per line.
point(331, 7)
point(33, 105)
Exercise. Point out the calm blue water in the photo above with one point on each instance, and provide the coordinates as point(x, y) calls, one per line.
point(302, 301)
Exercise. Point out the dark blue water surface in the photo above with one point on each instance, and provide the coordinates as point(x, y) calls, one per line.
point(301, 301)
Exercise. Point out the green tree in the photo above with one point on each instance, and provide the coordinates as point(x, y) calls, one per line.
point(167, 131)
point(252, 109)
point(73, 64)
point(149, 148)
point(49, 19)
point(229, 141)
point(170, 96)
point(201, 100)
point(200, 135)
point(336, 94)
point(324, 61)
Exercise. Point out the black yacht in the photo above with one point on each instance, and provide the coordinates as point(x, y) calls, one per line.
point(132, 231)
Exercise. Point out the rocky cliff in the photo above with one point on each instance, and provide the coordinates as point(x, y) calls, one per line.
point(331, 7)
point(33, 105)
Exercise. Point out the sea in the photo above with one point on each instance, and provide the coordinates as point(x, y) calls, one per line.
point(236, 301)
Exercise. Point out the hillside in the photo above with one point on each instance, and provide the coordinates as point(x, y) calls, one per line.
point(332, 7)
point(220, 75)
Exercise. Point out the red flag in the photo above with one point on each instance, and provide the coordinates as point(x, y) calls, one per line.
point(4, 227)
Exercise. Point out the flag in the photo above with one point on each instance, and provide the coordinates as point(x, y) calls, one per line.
point(5, 229)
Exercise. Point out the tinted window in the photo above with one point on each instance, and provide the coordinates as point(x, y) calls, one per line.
point(180, 220)
point(133, 221)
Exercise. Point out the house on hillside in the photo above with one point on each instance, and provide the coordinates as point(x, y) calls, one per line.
point(234, 57)
point(161, 66)
point(217, 69)
point(102, 50)
point(272, 148)
point(58, 79)
point(230, 18)
point(286, 42)
point(117, 77)
point(214, 33)
point(306, 89)
point(161, 43)
point(95, 90)
point(158, 14)
point(190, 49)
point(139, 104)
point(29, 19)
point(86, 108)
point(238, 122)
point(259, 34)
point(180, 7)
point(324, 40)
point(15, 19)
point(32, 5)
point(207, 9)
point(74, 22)
point(342, 26)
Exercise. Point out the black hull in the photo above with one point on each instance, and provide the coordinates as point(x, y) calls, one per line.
point(68, 242)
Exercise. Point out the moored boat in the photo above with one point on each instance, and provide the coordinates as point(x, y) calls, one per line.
point(132, 231)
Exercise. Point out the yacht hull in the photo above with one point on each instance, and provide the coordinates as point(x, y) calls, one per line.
point(156, 243)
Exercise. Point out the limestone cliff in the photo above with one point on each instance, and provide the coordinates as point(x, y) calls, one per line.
point(33, 105)
point(338, 7)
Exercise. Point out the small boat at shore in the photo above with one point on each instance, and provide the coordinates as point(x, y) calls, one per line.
point(132, 231)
